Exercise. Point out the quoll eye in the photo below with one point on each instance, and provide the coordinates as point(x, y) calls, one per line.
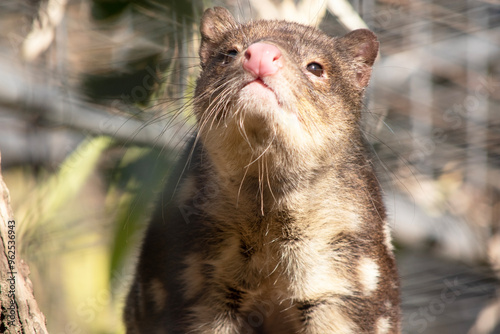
point(315, 69)
point(229, 56)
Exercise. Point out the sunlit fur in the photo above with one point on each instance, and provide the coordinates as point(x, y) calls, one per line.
point(277, 225)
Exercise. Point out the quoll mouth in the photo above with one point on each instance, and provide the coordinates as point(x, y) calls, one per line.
point(261, 90)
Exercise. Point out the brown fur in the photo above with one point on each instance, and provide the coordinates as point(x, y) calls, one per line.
point(278, 225)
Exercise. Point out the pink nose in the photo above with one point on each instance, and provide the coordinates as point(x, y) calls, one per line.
point(262, 60)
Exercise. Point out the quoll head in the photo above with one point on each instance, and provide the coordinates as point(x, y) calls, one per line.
point(269, 85)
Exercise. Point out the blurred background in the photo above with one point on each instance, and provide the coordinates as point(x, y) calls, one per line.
point(95, 99)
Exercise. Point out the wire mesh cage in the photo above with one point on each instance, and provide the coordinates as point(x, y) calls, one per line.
point(94, 107)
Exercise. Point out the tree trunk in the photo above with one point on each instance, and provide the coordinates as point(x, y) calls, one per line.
point(19, 309)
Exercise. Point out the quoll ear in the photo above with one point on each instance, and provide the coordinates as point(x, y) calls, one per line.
point(362, 47)
point(214, 24)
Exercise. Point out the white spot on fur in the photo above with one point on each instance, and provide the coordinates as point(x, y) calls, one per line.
point(328, 319)
point(383, 325)
point(388, 238)
point(388, 304)
point(157, 293)
point(191, 276)
point(368, 272)
point(186, 190)
point(309, 267)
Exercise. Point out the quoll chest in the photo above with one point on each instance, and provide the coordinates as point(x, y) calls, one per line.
point(280, 255)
